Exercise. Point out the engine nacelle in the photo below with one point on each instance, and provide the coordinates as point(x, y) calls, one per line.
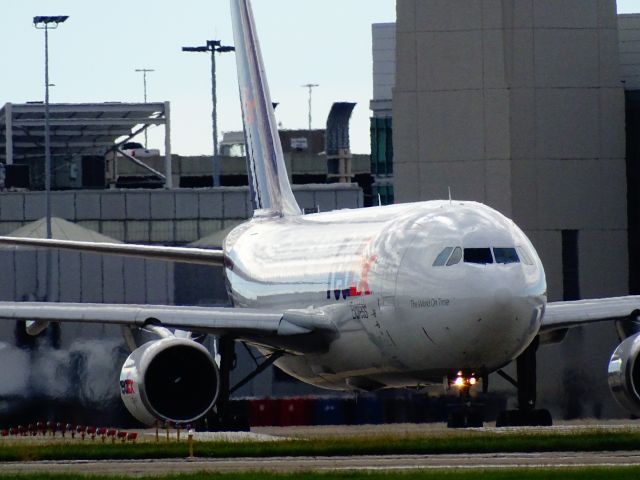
point(624, 374)
point(171, 379)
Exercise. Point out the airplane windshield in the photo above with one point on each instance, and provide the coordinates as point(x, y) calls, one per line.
point(506, 255)
point(480, 256)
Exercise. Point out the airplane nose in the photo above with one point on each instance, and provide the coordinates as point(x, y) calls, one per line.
point(505, 322)
point(503, 297)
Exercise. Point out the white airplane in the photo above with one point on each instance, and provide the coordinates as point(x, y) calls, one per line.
point(394, 296)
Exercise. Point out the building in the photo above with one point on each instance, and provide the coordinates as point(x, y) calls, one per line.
point(629, 34)
point(83, 137)
point(384, 74)
point(521, 105)
point(92, 147)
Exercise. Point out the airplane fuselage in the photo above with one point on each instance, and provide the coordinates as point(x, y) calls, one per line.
point(430, 288)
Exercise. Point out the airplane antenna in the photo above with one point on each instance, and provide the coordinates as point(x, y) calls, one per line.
point(144, 72)
point(379, 200)
point(450, 201)
point(310, 86)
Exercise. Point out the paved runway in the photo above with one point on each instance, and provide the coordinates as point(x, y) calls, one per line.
point(561, 427)
point(297, 464)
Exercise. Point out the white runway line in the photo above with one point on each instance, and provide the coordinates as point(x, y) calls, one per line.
point(231, 437)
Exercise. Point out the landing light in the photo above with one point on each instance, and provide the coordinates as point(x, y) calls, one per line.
point(460, 381)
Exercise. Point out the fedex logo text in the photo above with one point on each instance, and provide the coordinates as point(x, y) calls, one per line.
point(126, 387)
point(356, 283)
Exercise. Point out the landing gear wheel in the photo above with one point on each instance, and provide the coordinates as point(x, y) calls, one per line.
point(222, 418)
point(231, 422)
point(474, 418)
point(456, 420)
point(542, 418)
point(468, 417)
point(524, 418)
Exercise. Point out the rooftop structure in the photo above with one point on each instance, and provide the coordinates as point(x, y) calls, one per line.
point(89, 129)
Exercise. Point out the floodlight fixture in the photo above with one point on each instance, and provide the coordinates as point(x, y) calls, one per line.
point(49, 22)
point(195, 49)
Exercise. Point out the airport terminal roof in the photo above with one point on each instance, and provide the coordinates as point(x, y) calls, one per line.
point(61, 229)
point(214, 240)
point(86, 128)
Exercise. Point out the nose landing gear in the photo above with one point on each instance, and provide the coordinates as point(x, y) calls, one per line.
point(526, 415)
point(466, 415)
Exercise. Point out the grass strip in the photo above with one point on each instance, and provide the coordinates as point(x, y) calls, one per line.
point(377, 445)
point(593, 473)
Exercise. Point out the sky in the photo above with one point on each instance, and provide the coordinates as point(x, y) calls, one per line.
point(94, 55)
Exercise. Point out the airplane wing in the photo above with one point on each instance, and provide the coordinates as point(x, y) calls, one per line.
point(240, 322)
point(564, 315)
point(201, 256)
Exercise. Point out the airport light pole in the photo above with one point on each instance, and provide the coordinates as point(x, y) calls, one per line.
point(310, 86)
point(47, 23)
point(213, 46)
point(144, 72)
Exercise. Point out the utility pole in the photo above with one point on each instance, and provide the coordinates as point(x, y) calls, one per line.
point(47, 23)
point(310, 86)
point(144, 81)
point(213, 46)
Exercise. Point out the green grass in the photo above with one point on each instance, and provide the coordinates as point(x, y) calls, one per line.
point(619, 473)
point(464, 442)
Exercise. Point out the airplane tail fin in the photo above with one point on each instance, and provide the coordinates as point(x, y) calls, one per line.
point(268, 180)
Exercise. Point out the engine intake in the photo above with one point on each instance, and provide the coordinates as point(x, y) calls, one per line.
point(624, 374)
point(171, 379)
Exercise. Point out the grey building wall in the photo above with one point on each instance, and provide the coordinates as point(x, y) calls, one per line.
point(384, 67)
point(79, 277)
point(518, 104)
point(167, 217)
point(629, 35)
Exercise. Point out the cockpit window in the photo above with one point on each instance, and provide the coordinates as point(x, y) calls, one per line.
point(455, 257)
point(523, 255)
point(480, 256)
point(441, 259)
point(506, 255)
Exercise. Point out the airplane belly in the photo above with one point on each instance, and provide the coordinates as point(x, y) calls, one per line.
point(350, 361)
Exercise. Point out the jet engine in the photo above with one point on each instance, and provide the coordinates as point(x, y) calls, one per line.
point(170, 379)
point(624, 374)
